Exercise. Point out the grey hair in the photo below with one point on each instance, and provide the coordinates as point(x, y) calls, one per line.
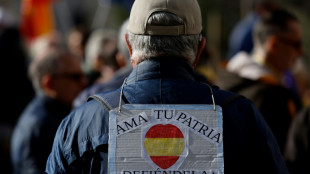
point(144, 46)
point(48, 63)
point(121, 43)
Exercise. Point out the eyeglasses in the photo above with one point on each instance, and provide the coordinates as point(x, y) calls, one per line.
point(295, 44)
point(72, 76)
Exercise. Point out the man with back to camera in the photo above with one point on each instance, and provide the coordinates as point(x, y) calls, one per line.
point(164, 42)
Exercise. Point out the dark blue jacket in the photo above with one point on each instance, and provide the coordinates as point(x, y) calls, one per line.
point(115, 83)
point(32, 138)
point(81, 141)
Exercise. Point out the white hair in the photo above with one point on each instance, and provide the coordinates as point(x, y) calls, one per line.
point(144, 46)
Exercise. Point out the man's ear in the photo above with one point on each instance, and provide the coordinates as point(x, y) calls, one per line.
point(48, 85)
point(134, 63)
point(46, 81)
point(201, 47)
point(271, 44)
point(128, 44)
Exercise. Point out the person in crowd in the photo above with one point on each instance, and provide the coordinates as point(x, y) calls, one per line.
point(240, 38)
point(76, 41)
point(57, 77)
point(101, 52)
point(16, 87)
point(259, 76)
point(165, 42)
point(43, 42)
point(110, 58)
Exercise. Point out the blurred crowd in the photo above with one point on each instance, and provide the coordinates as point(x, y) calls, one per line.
point(45, 77)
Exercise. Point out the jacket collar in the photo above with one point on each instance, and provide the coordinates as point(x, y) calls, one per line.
point(162, 67)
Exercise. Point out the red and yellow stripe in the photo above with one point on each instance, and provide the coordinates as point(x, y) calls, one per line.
point(164, 144)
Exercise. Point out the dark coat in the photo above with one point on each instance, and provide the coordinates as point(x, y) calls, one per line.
point(249, 146)
point(32, 138)
point(277, 104)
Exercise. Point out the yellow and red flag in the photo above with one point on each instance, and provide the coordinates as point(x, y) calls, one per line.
point(37, 18)
point(164, 144)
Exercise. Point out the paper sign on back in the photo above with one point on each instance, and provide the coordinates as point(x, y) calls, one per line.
point(166, 139)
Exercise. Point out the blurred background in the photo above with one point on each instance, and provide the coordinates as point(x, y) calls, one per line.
point(72, 21)
point(219, 17)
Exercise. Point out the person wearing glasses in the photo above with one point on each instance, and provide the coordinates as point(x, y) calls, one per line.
point(261, 75)
point(58, 78)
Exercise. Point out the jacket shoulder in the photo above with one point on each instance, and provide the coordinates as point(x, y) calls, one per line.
point(108, 99)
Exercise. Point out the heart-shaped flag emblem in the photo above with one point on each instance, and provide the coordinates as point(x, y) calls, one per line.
point(164, 144)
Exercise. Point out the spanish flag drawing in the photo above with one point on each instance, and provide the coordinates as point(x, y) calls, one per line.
point(164, 144)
